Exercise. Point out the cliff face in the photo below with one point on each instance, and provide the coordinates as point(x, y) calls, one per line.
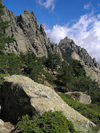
point(76, 52)
point(28, 35)
point(90, 65)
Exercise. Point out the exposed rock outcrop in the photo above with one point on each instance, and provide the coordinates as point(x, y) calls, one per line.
point(28, 35)
point(80, 96)
point(90, 65)
point(76, 52)
point(22, 95)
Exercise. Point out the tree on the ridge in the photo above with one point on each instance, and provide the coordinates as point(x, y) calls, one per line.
point(53, 61)
point(3, 26)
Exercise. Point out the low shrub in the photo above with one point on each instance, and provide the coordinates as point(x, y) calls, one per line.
point(49, 122)
point(11, 63)
point(88, 111)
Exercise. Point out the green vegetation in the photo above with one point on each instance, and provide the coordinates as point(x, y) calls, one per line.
point(91, 111)
point(28, 65)
point(72, 78)
point(34, 68)
point(53, 62)
point(49, 122)
point(11, 63)
point(69, 78)
point(3, 26)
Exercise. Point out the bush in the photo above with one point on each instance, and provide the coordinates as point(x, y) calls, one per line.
point(28, 126)
point(53, 61)
point(86, 110)
point(11, 63)
point(77, 68)
point(49, 77)
point(49, 122)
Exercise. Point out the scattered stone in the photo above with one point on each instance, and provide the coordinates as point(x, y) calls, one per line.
point(80, 96)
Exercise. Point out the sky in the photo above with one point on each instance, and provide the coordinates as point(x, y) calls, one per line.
point(79, 20)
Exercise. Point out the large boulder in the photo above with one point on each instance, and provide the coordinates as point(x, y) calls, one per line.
point(80, 96)
point(21, 95)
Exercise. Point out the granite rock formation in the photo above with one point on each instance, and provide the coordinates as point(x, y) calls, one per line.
point(28, 35)
point(91, 67)
point(22, 95)
point(80, 96)
point(76, 52)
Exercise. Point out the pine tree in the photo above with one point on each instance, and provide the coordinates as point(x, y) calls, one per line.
point(3, 26)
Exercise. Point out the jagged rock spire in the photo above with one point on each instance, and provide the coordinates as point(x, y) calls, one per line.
point(1, 1)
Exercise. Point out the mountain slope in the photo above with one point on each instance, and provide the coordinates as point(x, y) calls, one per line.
point(70, 49)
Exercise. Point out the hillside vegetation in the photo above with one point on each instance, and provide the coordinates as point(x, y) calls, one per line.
point(70, 76)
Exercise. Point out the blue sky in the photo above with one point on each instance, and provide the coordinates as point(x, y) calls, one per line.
point(76, 19)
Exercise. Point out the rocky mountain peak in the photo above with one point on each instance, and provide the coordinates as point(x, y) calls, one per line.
point(1, 2)
point(28, 35)
point(91, 67)
point(76, 52)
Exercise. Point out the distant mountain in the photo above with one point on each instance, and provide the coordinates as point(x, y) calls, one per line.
point(70, 49)
point(76, 52)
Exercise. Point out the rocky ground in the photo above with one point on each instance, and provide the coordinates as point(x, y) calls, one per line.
point(6, 127)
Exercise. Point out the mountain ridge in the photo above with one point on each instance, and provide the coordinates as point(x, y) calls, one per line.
point(28, 35)
point(69, 46)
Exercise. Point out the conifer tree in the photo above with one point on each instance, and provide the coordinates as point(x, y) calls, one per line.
point(3, 26)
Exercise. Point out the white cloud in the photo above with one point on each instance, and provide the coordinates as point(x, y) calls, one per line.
point(57, 33)
point(87, 6)
point(85, 33)
point(47, 3)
